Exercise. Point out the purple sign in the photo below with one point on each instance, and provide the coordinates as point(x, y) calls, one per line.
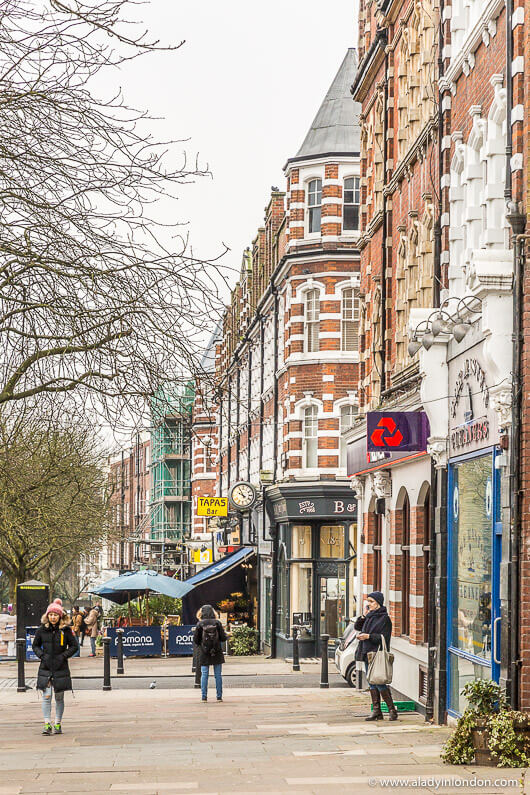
point(396, 431)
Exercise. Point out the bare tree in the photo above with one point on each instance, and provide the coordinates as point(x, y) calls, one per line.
point(96, 296)
point(54, 498)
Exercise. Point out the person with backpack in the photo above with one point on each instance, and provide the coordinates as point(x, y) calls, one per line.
point(54, 644)
point(208, 636)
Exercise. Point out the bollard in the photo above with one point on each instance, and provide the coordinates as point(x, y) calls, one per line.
point(296, 655)
point(21, 657)
point(106, 664)
point(324, 679)
point(119, 667)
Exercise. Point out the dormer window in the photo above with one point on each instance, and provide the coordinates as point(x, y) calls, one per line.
point(314, 205)
point(352, 193)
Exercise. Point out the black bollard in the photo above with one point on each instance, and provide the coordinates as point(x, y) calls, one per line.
point(324, 679)
point(21, 658)
point(296, 654)
point(106, 664)
point(119, 667)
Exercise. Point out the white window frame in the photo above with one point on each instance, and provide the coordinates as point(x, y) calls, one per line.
point(317, 193)
point(353, 410)
point(312, 320)
point(355, 319)
point(310, 434)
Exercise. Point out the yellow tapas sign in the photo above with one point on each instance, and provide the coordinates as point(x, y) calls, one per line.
point(212, 506)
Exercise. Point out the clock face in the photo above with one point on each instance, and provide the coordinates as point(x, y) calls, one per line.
point(243, 495)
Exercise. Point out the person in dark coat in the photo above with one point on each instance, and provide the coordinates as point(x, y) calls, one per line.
point(374, 625)
point(53, 644)
point(208, 636)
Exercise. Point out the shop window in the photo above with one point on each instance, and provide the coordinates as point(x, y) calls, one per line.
point(314, 205)
point(282, 609)
point(472, 557)
point(350, 320)
point(333, 603)
point(301, 541)
point(310, 439)
point(405, 568)
point(301, 592)
point(348, 415)
point(312, 321)
point(332, 541)
point(351, 203)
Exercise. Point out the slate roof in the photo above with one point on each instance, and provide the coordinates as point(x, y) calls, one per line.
point(335, 128)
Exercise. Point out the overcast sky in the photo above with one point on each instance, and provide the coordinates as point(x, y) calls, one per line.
point(243, 89)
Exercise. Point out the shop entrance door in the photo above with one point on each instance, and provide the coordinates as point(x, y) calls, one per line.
point(473, 575)
point(332, 607)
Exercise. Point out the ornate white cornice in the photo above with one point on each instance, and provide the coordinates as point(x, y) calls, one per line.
point(357, 486)
point(382, 484)
point(437, 449)
point(464, 59)
point(501, 399)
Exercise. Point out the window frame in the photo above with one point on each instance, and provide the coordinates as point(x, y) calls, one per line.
point(355, 318)
point(356, 194)
point(305, 436)
point(312, 345)
point(354, 409)
point(312, 208)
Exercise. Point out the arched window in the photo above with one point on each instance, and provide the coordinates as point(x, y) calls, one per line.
point(405, 568)
point(312, 320)
point(350, 320)
point(310, 438)
point(314, 205)
point(351, 193)
point(347, 418)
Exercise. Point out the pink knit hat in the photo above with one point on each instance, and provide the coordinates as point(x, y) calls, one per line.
point(55, 607)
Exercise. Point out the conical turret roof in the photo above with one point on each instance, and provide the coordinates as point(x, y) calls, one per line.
point(335, 128)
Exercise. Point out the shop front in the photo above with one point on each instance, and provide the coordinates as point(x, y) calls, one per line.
point(314, 563)
point(474, 529)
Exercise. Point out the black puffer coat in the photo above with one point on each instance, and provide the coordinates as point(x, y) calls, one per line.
point(377, 624)
point(214, 659)
point(53, 645)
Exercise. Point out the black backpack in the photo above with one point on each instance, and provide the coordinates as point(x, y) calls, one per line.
point(210, 643)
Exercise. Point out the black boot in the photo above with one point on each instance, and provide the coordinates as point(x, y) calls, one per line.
point(376, 701)
point(387, 696)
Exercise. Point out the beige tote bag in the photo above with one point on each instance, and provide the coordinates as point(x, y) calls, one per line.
point(380, 665)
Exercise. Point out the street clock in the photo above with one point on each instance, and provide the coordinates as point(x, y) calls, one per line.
point(242, 495)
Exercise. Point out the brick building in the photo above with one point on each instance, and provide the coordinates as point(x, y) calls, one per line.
point(397, 87)
point(439, 256)
point(129, 506)
point(287, 370)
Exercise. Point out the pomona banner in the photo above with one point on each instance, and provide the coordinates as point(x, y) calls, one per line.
point(180, 639)
point(137, 641)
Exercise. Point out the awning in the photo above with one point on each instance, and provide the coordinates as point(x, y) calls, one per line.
point(222, 566)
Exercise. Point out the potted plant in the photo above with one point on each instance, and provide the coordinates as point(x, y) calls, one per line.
point(488, 733)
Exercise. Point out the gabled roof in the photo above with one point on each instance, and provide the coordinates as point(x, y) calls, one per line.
point(335, 128)
point(208, 358)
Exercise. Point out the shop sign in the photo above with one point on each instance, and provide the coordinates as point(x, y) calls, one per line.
point(137, 641)
point(180, 639)
point(212, 506)
point(359, 460)
point(292, 508)
point(403, 431)
point(473, 422)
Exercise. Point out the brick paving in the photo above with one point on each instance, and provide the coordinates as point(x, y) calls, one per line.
point(261, 740)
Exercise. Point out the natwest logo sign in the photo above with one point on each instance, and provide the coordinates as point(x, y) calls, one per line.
point(397, 431)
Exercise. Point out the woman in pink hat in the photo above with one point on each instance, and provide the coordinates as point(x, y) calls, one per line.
point(54, 643)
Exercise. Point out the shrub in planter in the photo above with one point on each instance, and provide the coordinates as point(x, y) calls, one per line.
point(244, 641)
point(488, 732)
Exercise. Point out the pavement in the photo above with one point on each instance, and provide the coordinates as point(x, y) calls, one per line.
point(263, 739)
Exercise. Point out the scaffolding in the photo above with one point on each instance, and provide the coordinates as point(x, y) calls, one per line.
point(170, 501)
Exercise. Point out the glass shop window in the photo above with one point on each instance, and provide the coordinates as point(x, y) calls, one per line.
point(301, 541)
point(332, 541)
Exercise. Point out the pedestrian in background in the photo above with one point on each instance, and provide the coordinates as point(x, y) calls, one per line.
point(53, 644)
point(208, 636)
point(91, 622)
point(374, 625)
point(77, 626)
